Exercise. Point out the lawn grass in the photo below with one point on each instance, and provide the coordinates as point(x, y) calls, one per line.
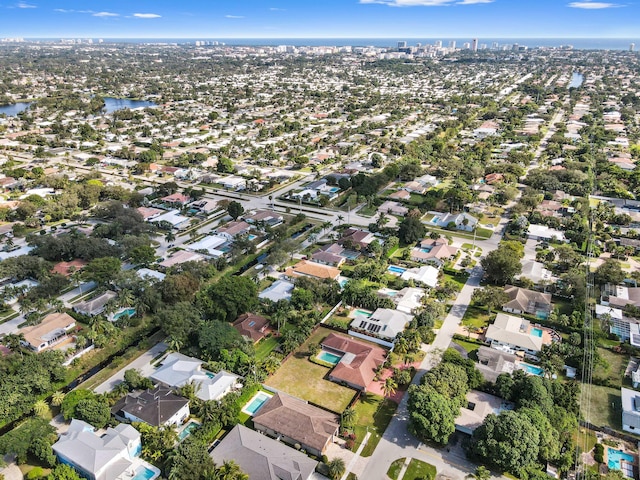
point(299, 377)
point(419, 470)
point(468, 346)
point(339, 321)
point(615, 368)
point(265, 347)
point(368, 211)
point(477, 317)
point(459, 280)
point(584, 439)
point(606, 407)
point(374, 412)
point(394, 469)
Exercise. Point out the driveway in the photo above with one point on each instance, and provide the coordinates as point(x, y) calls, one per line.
point(142, 363)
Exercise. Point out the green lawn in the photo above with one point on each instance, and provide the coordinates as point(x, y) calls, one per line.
point(265, 347)
point(606, 407)
point(339, 321)
point(419, 470)
point(299, 377)
point(394, 469)
point(614, 370)
point(374, 412)
point(459, 280)
point(468, 346)
point(477, 317)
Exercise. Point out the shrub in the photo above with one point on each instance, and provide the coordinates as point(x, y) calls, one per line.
point(598, 453)
point(36, 472)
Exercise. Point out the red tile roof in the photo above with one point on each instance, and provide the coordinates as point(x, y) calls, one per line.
point(364, 359)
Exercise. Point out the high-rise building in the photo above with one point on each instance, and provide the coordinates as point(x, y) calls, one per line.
point(632, 47)
point(474, 45)
point(452, 44)
point(466, 46)
point(402, 44)
point(495, 45)
point(438, 43)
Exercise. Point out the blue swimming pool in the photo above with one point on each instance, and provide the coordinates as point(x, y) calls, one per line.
point(434, 220)
point(536, 332)
point(186, 431)
point(129, 312)
point(532, 369)
point(329, 357)
point(144, 473)
point(256, 403)
point(426, 250)
point(398, 270)
point(251, 237)
point(362, 313)
point(615, 458)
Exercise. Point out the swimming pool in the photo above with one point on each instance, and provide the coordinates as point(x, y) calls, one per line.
point(256, 403)
point(362, 313)
point(434, 220)
point(129, 312)
point(426, 250)
point(251, 237)
point(532, 369)
point(144, 473)
point(329, 357)
point(615, 458)
point(398, 270)
point(536, 332)
point(186, 431)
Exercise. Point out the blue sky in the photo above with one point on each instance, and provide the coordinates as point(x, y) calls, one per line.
point(319, 18)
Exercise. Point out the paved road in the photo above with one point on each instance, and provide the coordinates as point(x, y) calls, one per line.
point(142, 363)
point(397, 442)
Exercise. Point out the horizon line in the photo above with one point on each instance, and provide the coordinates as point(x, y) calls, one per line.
point(326, 38)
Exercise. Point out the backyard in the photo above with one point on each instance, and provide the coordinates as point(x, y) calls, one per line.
point(266, 346)
point(373, 414)
point(606, 407)
point(477, 317)
point(306, 380)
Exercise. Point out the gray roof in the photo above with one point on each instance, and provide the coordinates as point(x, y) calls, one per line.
point(279, 290)
point(630, 407)
point(513, 331)
point(492, 362)
point(262, 458)
point(154, 406)
point(92, 453)
point(96, 305)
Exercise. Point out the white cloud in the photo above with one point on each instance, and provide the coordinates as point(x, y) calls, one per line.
point(233, 16)
point(146, 15)
point(474, 2)
point(276, 9)
point(588, 5)
point(25, 5)
point(106, 14)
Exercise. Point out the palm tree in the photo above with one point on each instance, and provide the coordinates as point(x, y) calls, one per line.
point(126, 298)
point(390, 386)
point(57, 305)
point(40, 408)
point(481, 473)
point(230, 470)
point(336, 468)
point(270, 364)
point(170, 237)
point(326, 225)
point(340, 219)
point(348, 416)
point(174, 344)
point(56, 398)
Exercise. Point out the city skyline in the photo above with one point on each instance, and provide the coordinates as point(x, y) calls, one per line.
point(403, 19)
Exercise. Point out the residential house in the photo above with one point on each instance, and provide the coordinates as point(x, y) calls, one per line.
point(479, 405)
point(278, 290)
point(426, 275)
point(173, 218)
point(233, 183)
point(545, 233)
point(209, 244)
point(110, 456)
point(180, 257)
point(295, 422)
point(414, 187)
point(328, 258)
point(514, 334)
point(264, 217)
point(68, 268)
point(535, 272)
point(433, 251)
point(619, 296)
point(408, 299)
point(205, 206)
point(95, 306)
point(630, 410)
point(492, 363)
point(158, 407)
point(492, 178)
point(51, 331)
point(149, 213)
point(384, 324)
point(358, 360)
point(233, 229)
point(522, 300)
point(251, 326)
point(393, 208)
point(460, 221)
point(177, 199)
point(618, 324)
point(305, 268)
point(354, 237)
point(401, 195)
point(177, 370)
point(261, 457)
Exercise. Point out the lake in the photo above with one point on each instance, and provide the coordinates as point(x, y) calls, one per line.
point(13, 109)
point(576, 80)
point(112, 104)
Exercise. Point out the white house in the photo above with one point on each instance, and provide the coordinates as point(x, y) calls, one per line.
point(462, 221)
point(630, 410)
point(426, 274)
point(384, 323)
point(158, 407)
point(512, 334)
point(542, 232)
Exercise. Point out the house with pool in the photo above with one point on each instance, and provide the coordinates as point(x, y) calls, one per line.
point(177, 370)
point(114, 455)
point(297, 423)
point(522, 300)
point(382, 327)
point(515, 334)
point(459, 221)
point(158, 407)
point(96, 305)
point(355, 362)
point(436, 251)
